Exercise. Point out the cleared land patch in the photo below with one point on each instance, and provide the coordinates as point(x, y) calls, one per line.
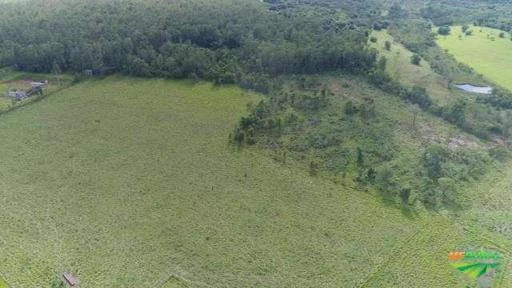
point(131, 183)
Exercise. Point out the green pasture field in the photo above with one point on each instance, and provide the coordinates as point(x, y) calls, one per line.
point(484, 51)
point(132, 183)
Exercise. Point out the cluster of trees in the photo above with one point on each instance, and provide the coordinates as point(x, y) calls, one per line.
point(222, 40)
point(442, 169)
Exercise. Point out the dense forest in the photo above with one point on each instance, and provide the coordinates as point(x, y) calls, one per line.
point(223, 40)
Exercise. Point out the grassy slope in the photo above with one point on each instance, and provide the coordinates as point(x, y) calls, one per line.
point(492, 203)
point(490, 58)
point(400, 68)
point(130, 182)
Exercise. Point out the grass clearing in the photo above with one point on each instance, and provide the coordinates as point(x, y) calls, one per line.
point(484, 51)
point(399, 67)
point(130, 183)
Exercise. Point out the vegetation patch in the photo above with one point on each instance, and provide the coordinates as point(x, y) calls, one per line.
point(156, 191)
point(3, 284)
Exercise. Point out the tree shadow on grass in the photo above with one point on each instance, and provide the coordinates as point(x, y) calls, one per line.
point(388, 198)
point(408, 211)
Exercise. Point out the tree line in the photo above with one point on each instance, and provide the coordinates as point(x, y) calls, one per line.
point(227, 41)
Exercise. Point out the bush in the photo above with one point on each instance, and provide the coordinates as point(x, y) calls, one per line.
point(415, 59)
point(418, 95)
point(444, 30)
point(500, 153)
point(350, 108)
point(405, 194)
point(433, 160)
point(387, 45)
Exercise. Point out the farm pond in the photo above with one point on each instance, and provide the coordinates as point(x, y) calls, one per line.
point(475, 89)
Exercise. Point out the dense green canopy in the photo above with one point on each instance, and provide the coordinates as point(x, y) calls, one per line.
point(222, 40)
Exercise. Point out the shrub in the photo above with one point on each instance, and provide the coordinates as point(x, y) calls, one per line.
point(350, 108)
point(387, 45)
point(415, 59)
point(418, 95)
point(444, 30)
point(500, 153)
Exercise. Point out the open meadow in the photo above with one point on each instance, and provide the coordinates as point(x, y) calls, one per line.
point(483, 50)
point(400, 68)
point(131, 183)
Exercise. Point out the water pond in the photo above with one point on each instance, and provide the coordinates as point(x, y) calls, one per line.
point(475, 89)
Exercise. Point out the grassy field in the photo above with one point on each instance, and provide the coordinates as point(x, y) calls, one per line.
point(484, 50)
point(132, 183)
point(399, 67)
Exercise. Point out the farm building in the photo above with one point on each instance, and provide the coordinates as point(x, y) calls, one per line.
point(30, 88)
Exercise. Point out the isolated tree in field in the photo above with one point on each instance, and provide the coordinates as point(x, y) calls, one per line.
point(502, 35)
point(387, 45)
point(444, 30)
point(465, 28)
point(415, 59)
point(469, 32)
